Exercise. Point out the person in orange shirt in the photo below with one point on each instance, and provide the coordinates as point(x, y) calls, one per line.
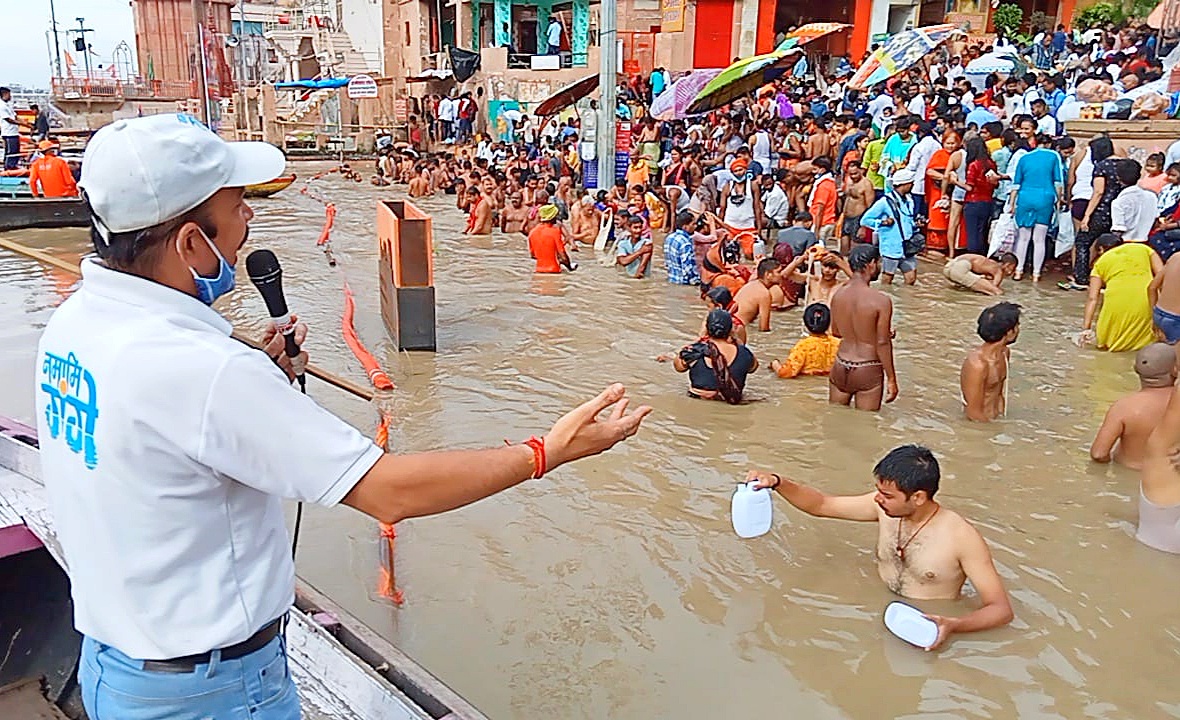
point(545, 243)
point(52, 174)
point(814, 354)
point(824, 196)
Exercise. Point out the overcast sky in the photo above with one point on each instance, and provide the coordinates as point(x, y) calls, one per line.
point(25, 58)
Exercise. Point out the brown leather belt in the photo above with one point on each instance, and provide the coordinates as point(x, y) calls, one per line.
point(189, 663)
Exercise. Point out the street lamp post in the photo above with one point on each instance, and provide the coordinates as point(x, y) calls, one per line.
point(56, 45)
point(81, 45)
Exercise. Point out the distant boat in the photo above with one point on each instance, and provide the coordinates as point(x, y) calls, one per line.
point(23, 212)
point(267, 189)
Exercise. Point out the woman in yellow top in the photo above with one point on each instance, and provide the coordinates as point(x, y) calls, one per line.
point(1124, 269)
point(814, 354)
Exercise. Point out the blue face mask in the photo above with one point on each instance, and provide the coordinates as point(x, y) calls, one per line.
point(209, 289)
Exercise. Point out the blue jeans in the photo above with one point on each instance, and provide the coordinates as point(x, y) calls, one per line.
point(253, 687)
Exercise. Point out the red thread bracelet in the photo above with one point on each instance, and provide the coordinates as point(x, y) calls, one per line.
point(538, 447)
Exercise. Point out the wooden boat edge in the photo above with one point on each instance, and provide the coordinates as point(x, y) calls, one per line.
point(342, 668)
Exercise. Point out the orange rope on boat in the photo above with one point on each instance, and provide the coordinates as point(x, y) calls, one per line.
point(387, 583)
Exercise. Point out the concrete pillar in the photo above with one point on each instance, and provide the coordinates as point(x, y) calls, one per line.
point(271, 131)
point(747, 38)
point(476, 40)
point(460, 41)
point(367, 117)
point(503, 22)
point(544, 10)
point(580, 40)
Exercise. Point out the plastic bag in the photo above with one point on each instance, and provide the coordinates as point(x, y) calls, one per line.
point(1003, 234)
point(1065, 233)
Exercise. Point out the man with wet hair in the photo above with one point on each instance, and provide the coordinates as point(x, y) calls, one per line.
point(1130, 420)
point(979, 273)
point(983, 380)
point(923, 553)
point(754, 298)
point(863, 317)
point(1159, 482)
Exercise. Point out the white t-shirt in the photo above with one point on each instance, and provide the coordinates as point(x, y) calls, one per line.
point(878, 105)
point(917, 106)
point(8, 126)
point(446, 109)
point(920, 159)
point(166, 447)
point(1134, 212)
point(1048, 125)
point(553, 33)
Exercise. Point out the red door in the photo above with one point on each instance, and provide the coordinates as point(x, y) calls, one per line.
point(711, 37)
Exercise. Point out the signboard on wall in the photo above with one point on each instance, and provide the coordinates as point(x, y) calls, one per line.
point(672, 15)
point(362, 87)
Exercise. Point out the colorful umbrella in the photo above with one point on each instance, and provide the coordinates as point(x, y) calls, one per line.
point(900, 53)
point(1002, 62)
point(672, 104)
point(743, 77)
point(814, 31)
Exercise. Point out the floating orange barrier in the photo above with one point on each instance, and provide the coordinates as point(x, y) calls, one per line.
point(387, 584)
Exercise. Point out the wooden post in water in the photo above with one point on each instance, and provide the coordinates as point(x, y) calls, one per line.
point(406, 241)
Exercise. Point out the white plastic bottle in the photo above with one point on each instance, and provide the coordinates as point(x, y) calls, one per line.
point(751, 510)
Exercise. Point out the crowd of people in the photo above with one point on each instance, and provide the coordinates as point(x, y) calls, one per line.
point(808, 193)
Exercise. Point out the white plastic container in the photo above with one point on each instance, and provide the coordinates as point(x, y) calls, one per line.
point(751, 510)
point(909, 624)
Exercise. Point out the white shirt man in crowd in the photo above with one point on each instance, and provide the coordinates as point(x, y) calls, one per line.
point(446, 116)
point(1134, 211)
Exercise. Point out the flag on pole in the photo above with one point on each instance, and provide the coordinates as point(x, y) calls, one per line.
point(69, 64)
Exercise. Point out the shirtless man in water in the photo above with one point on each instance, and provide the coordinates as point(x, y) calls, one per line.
point(1159, 483)
point(983, 380)
point(515, 215)
point(1164, 295)
point(863, 318)
point(754, 299)
point(1130, 420)
point(479, 219)
point(821, 287)
point(858, 196)
point(979, 273)
point(924, 551)
point(420, 184)
point(584, 221)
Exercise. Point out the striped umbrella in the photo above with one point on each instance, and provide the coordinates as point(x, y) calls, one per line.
point(900, 53)
point(743, 77)
point(814, 31)
point(672, 104)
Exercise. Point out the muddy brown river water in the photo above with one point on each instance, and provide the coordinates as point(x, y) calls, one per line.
point(615, 588)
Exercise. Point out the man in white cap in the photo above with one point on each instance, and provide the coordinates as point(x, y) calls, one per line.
point(167, 446)
point(893, 219)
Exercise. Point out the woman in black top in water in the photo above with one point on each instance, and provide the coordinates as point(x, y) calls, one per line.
point(717, 365)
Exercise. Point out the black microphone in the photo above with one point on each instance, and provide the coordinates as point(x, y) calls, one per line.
point(263, 268)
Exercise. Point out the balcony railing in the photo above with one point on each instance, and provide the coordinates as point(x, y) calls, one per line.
point(107, 89)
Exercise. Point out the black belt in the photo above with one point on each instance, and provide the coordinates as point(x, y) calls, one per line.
point(189, 663)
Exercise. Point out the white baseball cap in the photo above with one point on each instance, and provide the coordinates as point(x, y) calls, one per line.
point(901, 177)
point(141, 172)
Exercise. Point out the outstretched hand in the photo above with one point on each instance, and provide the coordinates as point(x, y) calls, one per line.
point(580, 433)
